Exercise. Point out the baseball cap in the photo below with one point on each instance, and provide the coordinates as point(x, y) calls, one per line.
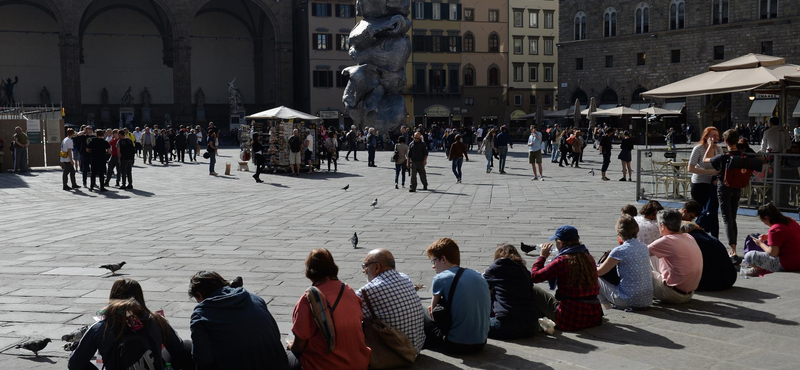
point(566, 233)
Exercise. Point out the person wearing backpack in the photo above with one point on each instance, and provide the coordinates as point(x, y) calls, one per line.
point(295, 145)
point(232, 328)
point(728, 192)
point(464, 295)
point(129, 334)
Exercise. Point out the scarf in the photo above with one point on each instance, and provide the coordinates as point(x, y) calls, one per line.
point(572, 249)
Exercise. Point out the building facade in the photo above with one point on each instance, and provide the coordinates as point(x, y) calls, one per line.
point(328, 35)
point(615, 50)
point(76, 49)
point(484, 60)
point(533, 55)
point(436, 61)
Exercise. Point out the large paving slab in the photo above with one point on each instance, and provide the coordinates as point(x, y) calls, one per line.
point(180, 220)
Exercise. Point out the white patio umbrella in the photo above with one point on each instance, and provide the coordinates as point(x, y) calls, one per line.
point(283, 113)
point(618, 112)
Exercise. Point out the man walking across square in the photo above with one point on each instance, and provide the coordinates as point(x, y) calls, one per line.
point(148, 142)
point(535, 152)
point(417, 160)
point(127, 152)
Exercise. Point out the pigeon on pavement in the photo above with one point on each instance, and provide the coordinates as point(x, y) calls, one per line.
point(591, 171)
point(374, 202)
point(70, 346)
point(113, 267)
point(237, 283)
point(346, 187)
point(354, 240)
point(527, 248)
point(75, 335)
point(34, 345)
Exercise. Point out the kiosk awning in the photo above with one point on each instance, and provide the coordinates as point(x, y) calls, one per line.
point(796, 113)
point(676, 107)
point(763, 108)
point(640, 106)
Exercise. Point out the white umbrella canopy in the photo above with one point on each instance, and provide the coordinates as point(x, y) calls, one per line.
point(283, 113)
point(655, 111)
point(618, 112)
point(592, 110)
point(744, 73)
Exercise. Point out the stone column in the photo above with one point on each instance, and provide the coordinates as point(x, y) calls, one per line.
point(258, 65)
point(182, 82)
point(70, 51)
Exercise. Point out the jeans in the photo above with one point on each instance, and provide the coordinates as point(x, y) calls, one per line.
point(706, 195)
point(488, 160)
point(212, 161)
point(86, 167)
point(500, 328)
point(181, 154)
point(608, 294)
point(398, 169)
point(352, 147)
point(418, 168)
point(192, 154)
point(457, 162)
point(554, 153)
point(113, 164)
point(69, 171)
point(371, 156)
point(503, 153)
point(126, 172)
point(545, 302)
point(99, 171)
point(729, 204)
point(436, 338)
point(606, 161)
point(148, 153)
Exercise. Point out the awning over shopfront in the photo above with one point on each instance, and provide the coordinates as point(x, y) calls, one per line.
point(763, 108)
point(618, 112)
point(675, 107)
point(606, 106)
point(796, 113)
point(639, 106)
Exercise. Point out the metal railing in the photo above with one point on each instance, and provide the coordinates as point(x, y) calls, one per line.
point(51, 112)
point(663, 175)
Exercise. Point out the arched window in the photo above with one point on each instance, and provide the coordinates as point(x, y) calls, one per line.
point(677, 14)
point(469, 76)
point(719, 11)
point(637, 95)
point(469, 43)
point(580, 26)
point(610, 22)
point(581, 96)
point(608, 96)
point(642, 21)
point(494, 76)
point(494, 43)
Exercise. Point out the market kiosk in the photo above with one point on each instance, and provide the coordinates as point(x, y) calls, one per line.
point(274, 127)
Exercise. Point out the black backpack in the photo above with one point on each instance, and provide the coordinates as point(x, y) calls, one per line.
point(134, 351)
point(294, 144)
point(126, 149)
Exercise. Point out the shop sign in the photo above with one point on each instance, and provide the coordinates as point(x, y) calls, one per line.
point(517, 115)
point(456, 118)
point(437, 111)
point(329, 114)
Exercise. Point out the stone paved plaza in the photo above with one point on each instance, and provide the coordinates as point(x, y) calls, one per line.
point(179, 220)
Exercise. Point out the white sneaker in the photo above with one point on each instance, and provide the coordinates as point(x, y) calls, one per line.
point(542, 178)
point(535, 178)
point(547, 325)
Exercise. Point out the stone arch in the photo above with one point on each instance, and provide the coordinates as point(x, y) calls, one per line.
point(493, 68)
point(617, 87)
point(579, 95)
point(33, 56)
point(609, 96)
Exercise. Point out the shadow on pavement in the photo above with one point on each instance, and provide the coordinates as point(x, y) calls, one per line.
point(628, 334)
point(741, 294)
point(140, 193)
point(277, 185)
point(557, 343)
point(495, 356)
point(713, 313)
point(113, 194)
point(37, 359)
point(10, 180)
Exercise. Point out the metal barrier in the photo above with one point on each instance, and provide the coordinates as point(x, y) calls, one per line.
point(663, 175)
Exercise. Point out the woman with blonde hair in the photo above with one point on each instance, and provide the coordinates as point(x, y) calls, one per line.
point(514, 313)
point(488, 149)
point(704, 180)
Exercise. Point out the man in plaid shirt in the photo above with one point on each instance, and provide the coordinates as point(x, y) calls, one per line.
point(575, 305)
point(393, 297)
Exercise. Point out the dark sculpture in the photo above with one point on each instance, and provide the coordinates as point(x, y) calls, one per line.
point(9, 89)
point(381, 47)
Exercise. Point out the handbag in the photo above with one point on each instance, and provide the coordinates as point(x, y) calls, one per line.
point(394, 156)
point(390, 347)
point(206, 155)
point(442, 313)
point(62, 153)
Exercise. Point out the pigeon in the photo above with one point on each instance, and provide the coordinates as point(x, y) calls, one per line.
point(75, 335)
point(34, 345)
point(69, 347)
point(527, 248)
point(346, 187)
point(237, 283)
point(374, 202)
point(591, 171)
point(354, 240)
point(113, 267)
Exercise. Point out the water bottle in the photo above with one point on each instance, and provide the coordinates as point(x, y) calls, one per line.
point(743, 272)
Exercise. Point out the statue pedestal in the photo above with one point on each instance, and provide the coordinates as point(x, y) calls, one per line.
point(105, 114)
point(201, 114)
point(236, 119)
point(125, 116)
point(146, 115)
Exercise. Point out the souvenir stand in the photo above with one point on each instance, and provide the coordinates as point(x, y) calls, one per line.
point(274, 128)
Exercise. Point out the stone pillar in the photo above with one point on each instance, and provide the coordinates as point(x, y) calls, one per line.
point(70, 51)
point(182, 82)
point(258, 65)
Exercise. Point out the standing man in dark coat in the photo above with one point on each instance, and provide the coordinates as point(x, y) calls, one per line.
point(99, 149)
point(417, 160)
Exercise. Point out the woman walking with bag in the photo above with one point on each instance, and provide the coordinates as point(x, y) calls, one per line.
point(458, 151)
point(488, 149)
point(258, 158)
point(399, 159)
point(577, 149)
point(332, 149)
point(704, 176)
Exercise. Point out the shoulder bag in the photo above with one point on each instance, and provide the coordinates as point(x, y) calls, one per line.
point(63, 153)
point(395, 155)
point(442, 313)
point(391, 348)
